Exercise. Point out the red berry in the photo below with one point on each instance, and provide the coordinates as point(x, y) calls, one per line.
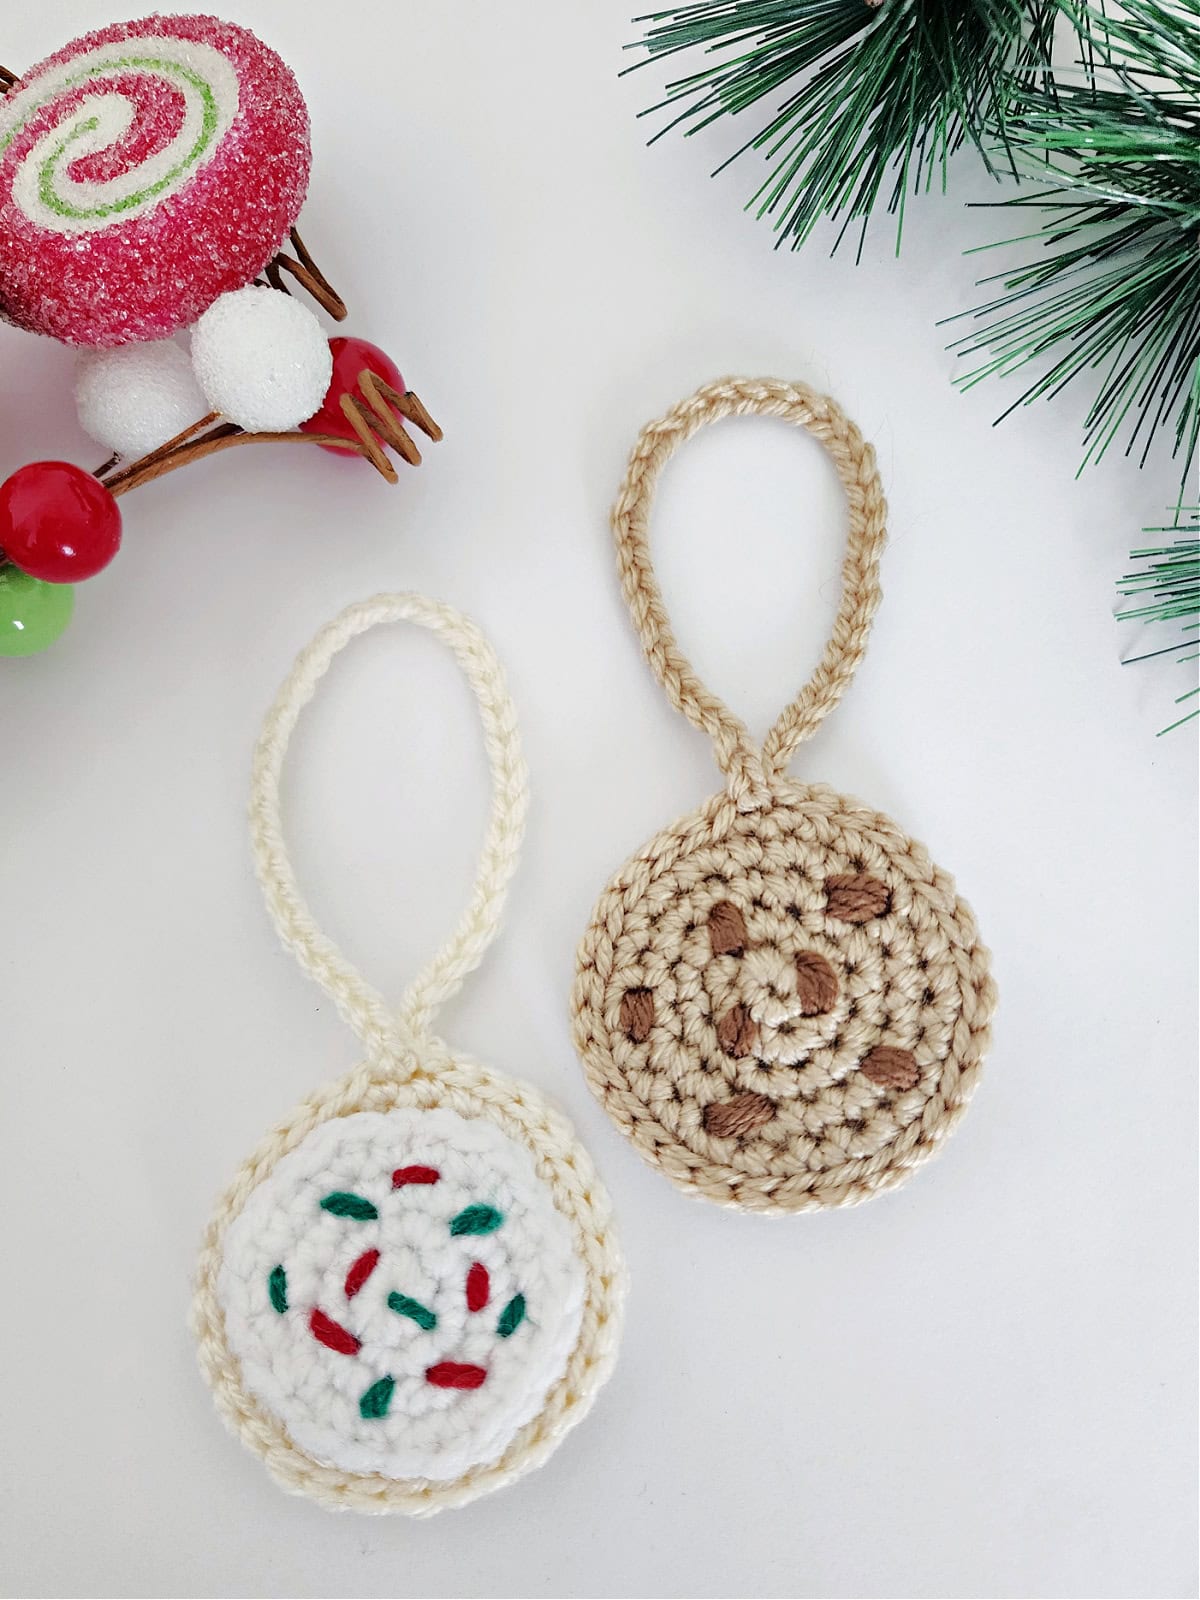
point(57, 522)
point(350, 356)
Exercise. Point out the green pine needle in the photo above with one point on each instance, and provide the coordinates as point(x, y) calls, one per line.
point(1168, 589)
point(1114, 293)
point(876, 94)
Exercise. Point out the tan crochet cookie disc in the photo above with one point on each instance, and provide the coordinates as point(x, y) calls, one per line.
point(781, 1000)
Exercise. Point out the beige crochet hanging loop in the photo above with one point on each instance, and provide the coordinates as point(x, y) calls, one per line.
point(747, 767)
point(412, 1288)
point(780, 1000)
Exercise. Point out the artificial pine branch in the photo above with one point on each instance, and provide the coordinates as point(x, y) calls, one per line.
point(1114, 294)
point(1168, 589)
point(877, 94)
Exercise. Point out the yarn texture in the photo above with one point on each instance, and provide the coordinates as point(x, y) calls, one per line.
point(780, 1000)
point(412, 1289)
point(405, 1260)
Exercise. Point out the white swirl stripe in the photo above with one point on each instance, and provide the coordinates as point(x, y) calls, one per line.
point(42, 187)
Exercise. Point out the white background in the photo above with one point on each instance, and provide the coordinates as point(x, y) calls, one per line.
point(980, 1385)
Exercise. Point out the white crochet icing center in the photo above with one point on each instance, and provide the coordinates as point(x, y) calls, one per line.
point(317, 1392)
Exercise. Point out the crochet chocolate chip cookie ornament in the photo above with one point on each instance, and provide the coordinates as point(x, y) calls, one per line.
point(780, 1000)
point(412, 1288)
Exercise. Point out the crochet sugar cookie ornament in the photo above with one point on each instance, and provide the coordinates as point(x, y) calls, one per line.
point(151, 176)
point(412, 1289)
point(780, 1000)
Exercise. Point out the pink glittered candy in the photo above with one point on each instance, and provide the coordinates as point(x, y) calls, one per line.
point(144, 170)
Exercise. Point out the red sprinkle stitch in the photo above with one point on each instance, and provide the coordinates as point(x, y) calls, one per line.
point(328, 1332)
point(478, 1287)
point(360, 1271)
point(403, 1175)
point(455, 1375)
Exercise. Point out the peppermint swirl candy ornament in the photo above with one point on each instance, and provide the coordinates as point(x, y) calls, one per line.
point(145, 169)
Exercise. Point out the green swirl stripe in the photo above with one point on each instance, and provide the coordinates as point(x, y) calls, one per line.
point(48, 170)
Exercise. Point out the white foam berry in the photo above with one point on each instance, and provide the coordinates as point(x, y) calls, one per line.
point(261, 359)
point(136, 397)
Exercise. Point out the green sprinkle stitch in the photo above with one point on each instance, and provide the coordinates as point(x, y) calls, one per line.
point(349, 1205)
point(512, 1316)
point(277, 1289)
point(377, 1399)
point(406, 1307)
point(476, 1219)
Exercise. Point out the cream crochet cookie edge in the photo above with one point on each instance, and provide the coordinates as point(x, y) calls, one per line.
point(561, 1161)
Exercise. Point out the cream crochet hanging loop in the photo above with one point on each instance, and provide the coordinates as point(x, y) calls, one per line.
point(363, 1008)
point(412, 1288)
point(781, 1000)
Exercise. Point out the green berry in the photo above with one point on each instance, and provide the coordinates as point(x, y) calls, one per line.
point(32, 613)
